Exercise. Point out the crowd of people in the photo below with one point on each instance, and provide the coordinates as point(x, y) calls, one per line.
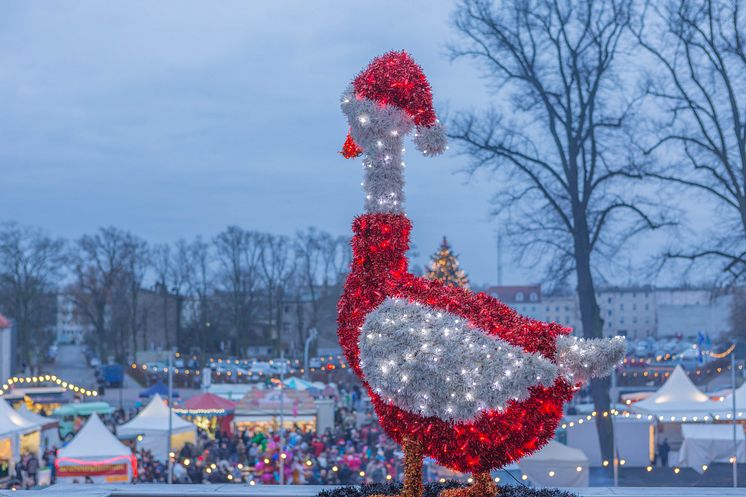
point(355, 451)
point(345, 455)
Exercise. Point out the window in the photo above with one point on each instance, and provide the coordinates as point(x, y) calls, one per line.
point(621, 307)
point(621, 320)
point(646, 307)
point(609, 312)
point(634, 307)
point(609, 300)
point(533, 297)
point(519, 297)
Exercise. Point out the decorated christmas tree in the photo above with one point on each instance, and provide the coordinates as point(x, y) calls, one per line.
point(445, 268)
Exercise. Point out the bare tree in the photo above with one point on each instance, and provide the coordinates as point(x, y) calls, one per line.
point(99, 263)
point(30, 263)
point(698, 80)
point(277, 267)
point(309, 261)
point(136, 264)
point(558, 147)
point(193, 261)
point(163, 266)
point(737, 315)
point(239, 255)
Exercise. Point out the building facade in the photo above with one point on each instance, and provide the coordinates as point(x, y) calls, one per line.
point(7, 348)
point(70, 325)
point(635, 312)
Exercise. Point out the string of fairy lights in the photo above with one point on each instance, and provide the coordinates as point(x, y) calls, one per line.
point(328, 363)
point(661, 358)
point(20, 381)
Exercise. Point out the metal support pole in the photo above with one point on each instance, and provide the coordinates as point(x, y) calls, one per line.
point(282, 415)
point(735, 423)
point(615, 456)
point(170, 415)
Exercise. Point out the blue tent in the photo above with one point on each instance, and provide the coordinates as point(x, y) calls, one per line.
point(159, 388)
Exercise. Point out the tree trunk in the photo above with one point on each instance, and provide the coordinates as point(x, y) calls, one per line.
point(590, 316)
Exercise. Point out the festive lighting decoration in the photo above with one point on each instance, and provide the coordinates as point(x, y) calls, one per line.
point(45, 378)
point(444, 267)
point(408, 361)
point(384, 328)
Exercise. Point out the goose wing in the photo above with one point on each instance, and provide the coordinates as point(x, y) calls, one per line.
point(435, 363)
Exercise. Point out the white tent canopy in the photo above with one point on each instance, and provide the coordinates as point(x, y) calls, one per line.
point(708, 443)
point(726, 406)
point(556, 465)
point(152, 424)
point(678, 397)
point(17, 434)
point(95, 452)
point(36, 418)
point(10, 418)
point(49, 426)
point(94, 441)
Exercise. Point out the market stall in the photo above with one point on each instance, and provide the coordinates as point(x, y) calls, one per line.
point(705, 444)
point(71, 415)
point(209, 412)
point(50, 427)
point(725, 407)
point(158, 388)
point(312, 387)
point(153, 424)
point(678, 399)
point(96, 453)
point(8, 436)
point(28, 433)
point(556, 465)
point(262, 410)
point(635, 439)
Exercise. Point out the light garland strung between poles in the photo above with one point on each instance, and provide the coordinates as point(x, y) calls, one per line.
point(250, 374)
point(46, 378)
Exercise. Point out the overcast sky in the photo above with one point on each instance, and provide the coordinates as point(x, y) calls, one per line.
point(177, 118)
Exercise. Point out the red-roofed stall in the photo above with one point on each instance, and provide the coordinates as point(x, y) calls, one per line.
point(209, 411)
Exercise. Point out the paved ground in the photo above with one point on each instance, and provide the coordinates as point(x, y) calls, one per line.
point(71, 366)
point(311, 491)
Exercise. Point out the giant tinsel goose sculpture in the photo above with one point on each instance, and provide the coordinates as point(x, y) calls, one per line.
point(452, 374)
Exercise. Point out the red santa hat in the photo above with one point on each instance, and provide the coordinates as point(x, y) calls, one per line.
point(394, 78)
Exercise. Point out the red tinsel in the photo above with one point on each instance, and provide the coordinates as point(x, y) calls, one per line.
point(494, 439)
point(395, 79)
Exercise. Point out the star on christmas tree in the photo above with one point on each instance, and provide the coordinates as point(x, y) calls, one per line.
point(444, 267)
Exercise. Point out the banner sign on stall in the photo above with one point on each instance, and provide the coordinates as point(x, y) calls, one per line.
point(92, 470)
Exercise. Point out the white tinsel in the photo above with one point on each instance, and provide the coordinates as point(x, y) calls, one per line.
point(582, 359)
point(379, 130)
point(431, 140)
point(434, 363)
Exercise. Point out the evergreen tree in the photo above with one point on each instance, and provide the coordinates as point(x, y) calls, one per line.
point(444, 267)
